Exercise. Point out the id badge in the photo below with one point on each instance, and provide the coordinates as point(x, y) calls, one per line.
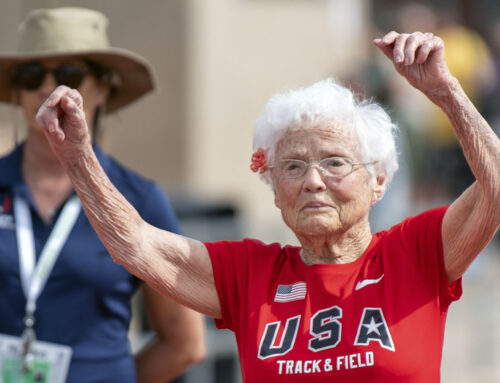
point(50, 362)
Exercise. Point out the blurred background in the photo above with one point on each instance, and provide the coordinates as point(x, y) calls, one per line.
point(218, 61)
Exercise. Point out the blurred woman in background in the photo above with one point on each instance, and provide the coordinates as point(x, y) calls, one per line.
point(57, 281)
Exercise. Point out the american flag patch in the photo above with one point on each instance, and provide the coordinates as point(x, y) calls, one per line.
point(293, 292)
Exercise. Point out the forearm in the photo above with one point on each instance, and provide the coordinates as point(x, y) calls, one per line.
point(472, 219)
point(116, 222)
point(176, 266)
point(480, 144)
point(179, 340)
point(161, 362)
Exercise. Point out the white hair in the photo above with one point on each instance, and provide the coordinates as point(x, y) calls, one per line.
point(320, 104)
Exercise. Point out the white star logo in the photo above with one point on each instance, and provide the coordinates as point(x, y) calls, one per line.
point(373, 327)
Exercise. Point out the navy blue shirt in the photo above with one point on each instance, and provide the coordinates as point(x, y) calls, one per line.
point(86, 301)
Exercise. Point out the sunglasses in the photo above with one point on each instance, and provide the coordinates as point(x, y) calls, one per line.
point(30, 76)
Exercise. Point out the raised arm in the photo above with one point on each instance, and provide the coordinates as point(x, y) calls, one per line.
point(473, 219)
point(174, 265)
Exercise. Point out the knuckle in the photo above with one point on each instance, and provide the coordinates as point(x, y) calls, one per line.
point(77, 95)
point(413, 38)
point(391, 34)
point(425, 48)
point(402, 38)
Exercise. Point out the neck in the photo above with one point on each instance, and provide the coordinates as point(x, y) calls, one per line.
point(39, 160)
point(47, 180)
point(339, 248)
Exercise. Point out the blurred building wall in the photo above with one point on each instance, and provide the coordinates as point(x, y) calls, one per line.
point(148, 135)
point(240, 52)
point(217, 62)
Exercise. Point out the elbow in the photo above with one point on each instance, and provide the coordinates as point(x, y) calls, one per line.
point(202, 353)
point(127, 247)
point(190, 352)
point(197, 356)
point(487, 200)
point(195, 353)
point(494, 207)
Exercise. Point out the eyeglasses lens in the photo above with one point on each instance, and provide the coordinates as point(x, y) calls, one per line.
point(28, 76)
point(31, 76)
point(331, 166)
point(69, 75)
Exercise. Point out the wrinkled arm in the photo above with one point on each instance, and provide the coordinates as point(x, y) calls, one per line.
point(473, 219)
point(176, 266)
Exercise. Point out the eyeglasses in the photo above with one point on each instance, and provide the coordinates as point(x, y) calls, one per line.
point(30, 76)
point(330, 166)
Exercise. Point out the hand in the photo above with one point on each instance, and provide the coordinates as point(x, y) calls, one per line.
point(418, 57)
point(63, 121)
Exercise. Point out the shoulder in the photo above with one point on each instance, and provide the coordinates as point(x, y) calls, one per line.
point(248, 254)
point(7, 157)
point(10, 166)
point(246, 246)
point(430, 219)
point(125, 179)
point(137, 189)
point(420, 232)
point(145, 195)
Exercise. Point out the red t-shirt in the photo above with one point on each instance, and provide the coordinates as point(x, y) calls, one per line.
point(378, 319)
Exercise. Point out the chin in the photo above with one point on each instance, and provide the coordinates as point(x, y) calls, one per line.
point(318, 225)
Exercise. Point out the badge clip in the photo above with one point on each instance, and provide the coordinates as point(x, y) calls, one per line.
point(28, 342)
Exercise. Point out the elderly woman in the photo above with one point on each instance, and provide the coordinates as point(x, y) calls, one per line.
point(61, 285)
point(347, 305)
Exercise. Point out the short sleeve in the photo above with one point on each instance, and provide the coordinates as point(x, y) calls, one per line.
point(424, 234)
point(230, 268)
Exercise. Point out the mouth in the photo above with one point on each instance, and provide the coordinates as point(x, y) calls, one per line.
point(315, 205)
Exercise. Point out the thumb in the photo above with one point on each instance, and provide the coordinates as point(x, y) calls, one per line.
point(48, 118)
point(384, 47)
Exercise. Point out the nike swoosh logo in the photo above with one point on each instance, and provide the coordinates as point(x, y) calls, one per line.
point(367, 282)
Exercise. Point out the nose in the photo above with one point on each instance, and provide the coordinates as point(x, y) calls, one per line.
point(49, 84)
point(313, 180)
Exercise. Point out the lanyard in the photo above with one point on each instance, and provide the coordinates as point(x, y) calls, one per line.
point(33, 278)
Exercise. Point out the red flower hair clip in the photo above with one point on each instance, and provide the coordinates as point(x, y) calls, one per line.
point(258, 161)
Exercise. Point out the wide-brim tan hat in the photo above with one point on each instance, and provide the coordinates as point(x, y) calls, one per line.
point(72, 32)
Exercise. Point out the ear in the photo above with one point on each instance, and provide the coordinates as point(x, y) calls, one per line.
point(276, 200)
point(103, 90)
point(379, 187)
point(15, 96)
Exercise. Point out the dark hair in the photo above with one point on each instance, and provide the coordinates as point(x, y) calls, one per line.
point(103, 73)
point(107, 76)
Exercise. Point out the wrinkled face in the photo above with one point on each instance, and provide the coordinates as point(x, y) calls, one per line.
point(93, 92)
point(316, 204)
